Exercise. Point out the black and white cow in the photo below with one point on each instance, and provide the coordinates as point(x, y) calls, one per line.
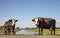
point(44, 23)
point(10, 25)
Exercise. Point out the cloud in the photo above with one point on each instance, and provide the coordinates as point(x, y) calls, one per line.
point(57, 23)
point(57, 20)
point(2, 21)
point(24, 24)
point(30, 24)
point(5, 19)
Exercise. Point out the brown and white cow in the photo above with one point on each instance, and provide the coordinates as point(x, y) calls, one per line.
point(10, 25)
point(44, 23)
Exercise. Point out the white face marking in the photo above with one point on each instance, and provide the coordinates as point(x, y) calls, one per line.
point(13, 22)
point(36, 21)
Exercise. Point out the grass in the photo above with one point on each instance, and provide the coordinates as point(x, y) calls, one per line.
point(2, 31)
point(45, 31)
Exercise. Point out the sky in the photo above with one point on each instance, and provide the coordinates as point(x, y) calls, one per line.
point(26, 10)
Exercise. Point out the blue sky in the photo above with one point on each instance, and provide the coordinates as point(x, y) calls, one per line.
point(25, 10)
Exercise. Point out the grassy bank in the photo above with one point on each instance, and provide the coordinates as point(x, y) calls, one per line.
point(45, 31)
point(2, 31)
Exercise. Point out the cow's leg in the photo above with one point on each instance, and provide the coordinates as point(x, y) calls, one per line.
point(51, 29)
point(9, 31)
point(5, 32)
point(13, 30)
point(54, 31)
point(51, 32)
point(41, 31)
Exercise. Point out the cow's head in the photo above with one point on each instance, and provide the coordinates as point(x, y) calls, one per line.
point(35, 20)
point(13, 21)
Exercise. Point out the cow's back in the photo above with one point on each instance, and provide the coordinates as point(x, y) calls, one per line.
point(47, 23)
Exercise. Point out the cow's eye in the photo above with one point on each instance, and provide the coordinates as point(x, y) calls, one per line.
point(34, 21)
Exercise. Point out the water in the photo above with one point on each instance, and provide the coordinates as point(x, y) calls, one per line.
point(26, 32)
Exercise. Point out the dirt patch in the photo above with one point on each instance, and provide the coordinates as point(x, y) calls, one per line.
point(29, 36)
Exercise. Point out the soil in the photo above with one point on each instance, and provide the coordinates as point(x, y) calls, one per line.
point(29, 36)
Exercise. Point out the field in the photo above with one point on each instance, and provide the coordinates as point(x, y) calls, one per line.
point(46, 34)
point(31, 36)
point(2, 31)
point(45, 31)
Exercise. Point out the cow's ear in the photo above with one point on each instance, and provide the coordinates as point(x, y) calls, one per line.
point(10, 20)
point(38, 18)
point(16, 20)
point(33, 19)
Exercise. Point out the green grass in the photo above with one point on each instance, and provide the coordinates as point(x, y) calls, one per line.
point(45, 31)
point(2, 31)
